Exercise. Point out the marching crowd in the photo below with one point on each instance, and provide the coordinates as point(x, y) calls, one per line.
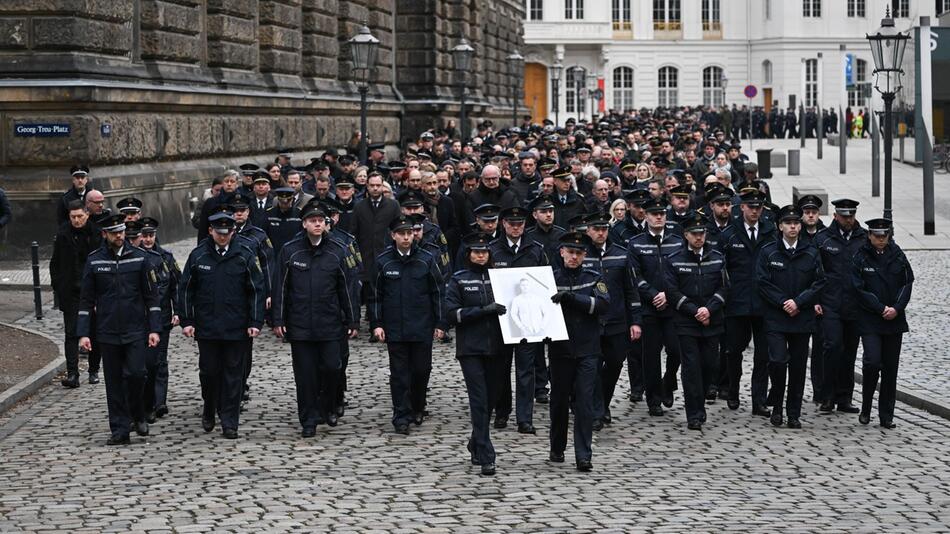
point(661, 238)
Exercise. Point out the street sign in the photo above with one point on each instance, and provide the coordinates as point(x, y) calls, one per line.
point(750, 91)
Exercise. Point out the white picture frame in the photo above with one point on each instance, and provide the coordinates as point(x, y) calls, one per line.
point(531, 316)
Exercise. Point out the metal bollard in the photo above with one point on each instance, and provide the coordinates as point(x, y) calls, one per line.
point(37, 293)
point(764, 157)
point(794, 163)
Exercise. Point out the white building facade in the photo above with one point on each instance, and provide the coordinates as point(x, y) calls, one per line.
point(647, 53)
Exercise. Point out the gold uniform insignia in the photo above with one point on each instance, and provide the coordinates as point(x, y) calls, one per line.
point(602, 287)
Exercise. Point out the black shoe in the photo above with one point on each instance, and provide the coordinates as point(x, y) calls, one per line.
point(151, 417)
point(668, 399)
point(695, 424)
point(848, 408)
point(733, 404)
point(864, 418)
point(723, 394)
point(340, 409)
point(598, 425)
point(826, 407)
point(488, 470)
point(888, 424)
point(402, 429)
point(656, 411)
point(584, 465)
point(501, 422)
point(119, 440)
point(636, 396)
point(762, 411)
point(606, 420)
point(417, 418)
point(230, 433)
point(542, 398)
point(776, 418)
point(207, 423)
point(71, 381)
point(161, 411)
point(794, 423)
point(712, 394)
point(526, 428)
point(140, 427)
point(93, 378)
point(308, 432)
point(556, 457)
point(332, 419)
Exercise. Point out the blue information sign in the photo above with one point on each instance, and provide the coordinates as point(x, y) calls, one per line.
point(41, 130)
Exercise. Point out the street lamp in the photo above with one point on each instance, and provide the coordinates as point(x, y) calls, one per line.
point(556, 89)
point(579, 83)
point(887, 49)
point(462, 55)
point(724, 82)
point(515, 67)
point(363, 47)
point(592, 87)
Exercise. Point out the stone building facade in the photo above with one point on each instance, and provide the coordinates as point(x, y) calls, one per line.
point(159, 96)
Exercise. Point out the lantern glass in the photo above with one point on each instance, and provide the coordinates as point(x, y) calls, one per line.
point(556, 71)
point(363, 49)
point(462, 55)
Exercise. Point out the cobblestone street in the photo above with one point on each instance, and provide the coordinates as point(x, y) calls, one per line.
point(649, 473)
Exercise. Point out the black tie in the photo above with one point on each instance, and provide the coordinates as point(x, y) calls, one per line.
point(791, 251)
point(375, 204)
point(260, 204)
point(514, 248)
point(222, 251)
point(752, 233)
point(563, 200)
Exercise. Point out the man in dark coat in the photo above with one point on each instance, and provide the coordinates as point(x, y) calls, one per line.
point(370, 225)
point(490, 191)
point(80, 186)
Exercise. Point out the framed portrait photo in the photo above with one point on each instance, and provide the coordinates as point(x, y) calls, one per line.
point(531, 316)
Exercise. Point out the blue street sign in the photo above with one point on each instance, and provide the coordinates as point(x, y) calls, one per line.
point(849, 69)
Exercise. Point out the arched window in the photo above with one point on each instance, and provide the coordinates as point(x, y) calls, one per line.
point(668, 87)
point(767, 72)
point(623, 89)
point(712, 87)
point(572, 89)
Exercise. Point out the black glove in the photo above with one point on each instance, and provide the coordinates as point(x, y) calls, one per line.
point(494, 309)
point(559, 296)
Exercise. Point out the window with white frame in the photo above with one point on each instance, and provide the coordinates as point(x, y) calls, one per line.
point(574, 99)
point(767, 72)
point(900, 9)
point(620, 13)
point(712, 21)
point(811, 8)
point(857, 8)
point(666, 15)
point(535, 9)
point(667, 87)
point(573, 9)
point(712, 87)
point(623, 89)
point(856, 91)
point(942, 6)
point(811, 82)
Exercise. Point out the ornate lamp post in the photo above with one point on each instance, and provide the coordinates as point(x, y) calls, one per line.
point(887, 49)
point(556, 89)
point(515, 67)
point(462, 55)
point(592, 93)
point(580, 75)
point(363, 48)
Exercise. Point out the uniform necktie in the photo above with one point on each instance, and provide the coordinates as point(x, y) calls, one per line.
point(375, 204)
point(752, 233)
point(563, 200)
point(260, 204)
point(222, 251)
point(514, 248)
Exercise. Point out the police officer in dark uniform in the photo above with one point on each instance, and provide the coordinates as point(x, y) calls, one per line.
point(583, 297)
point(314, 308)
point(634, 223)
point(470, 306)
point(647, 255)
point(698, 286)
point(742, 243)
point(119, 285)
point(621, 324)
point(412, 202)
point(567, 201)
point(811, 217)
point(221, 303)
point(838, 244)
point(811, 226)
point(168, 275)
point(282, 219)
point(405, 312)
point(679, 211)
point(486, 222)
point(514, 249)
point(790, 279)
point(131, 207)
point(883, 281)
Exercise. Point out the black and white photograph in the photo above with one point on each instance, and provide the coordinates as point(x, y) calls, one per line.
point(526, 292)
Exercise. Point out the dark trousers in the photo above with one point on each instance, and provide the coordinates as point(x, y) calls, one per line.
point(124, 371)
point(635, 368)
point(788, 354)
point(700, 368)
point(721, 382)
point(156, 369)
point(71, 342)
point(221, 372)
point(541, 375)
point(881, 357)
point(573, 377)
point(739, 331)
point(481, 382)
point(818, 364)
point(316, 364)
point(246, 363)
point(410, 363)
point(344, 362)
point(841, 351)
point(659, 333)
point(523, 355)
point(614, 350)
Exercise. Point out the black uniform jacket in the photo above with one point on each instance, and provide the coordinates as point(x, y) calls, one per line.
point(782, 276)
point(879, 280)
point(697, 281)
point(478, 333)
point(588, 300)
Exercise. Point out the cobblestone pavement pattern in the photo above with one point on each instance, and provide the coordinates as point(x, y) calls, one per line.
point(650, 473)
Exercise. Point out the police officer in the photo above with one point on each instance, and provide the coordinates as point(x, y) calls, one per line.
point(470, 306)
point(131, 207)
point(283, 219)
point(647, 255)
point(790, 279)
point(314, 308)
point(168, 275)
point(583, 297)
point(120, 286)
point(838, 244)
point(742, 243)
point(883, 280)
point(621, 324)
point(405, 311)
point(698, 286)
point(811, 216)
point(514, 249)
point(679, 211)
point(634, 223)
point(486, 222)
point(221, 303)
point(811, 225)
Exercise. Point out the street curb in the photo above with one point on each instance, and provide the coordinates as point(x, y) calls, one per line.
point(915, 398)
point(37, 380)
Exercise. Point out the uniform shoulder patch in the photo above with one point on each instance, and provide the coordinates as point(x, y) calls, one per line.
point(602, 287)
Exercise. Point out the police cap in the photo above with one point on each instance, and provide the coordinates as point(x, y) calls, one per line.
point(575, 240)
point(845, 206)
